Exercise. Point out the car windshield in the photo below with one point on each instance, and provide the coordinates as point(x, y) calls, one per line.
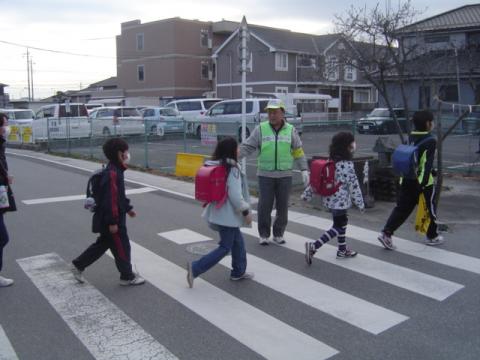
point(208, 103)
point(379, 113)
point(22, 115)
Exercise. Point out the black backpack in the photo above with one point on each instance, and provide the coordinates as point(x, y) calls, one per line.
point(94, 191)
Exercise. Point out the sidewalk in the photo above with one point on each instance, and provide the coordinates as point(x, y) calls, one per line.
point(459, 205)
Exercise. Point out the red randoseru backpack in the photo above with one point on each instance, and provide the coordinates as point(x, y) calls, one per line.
point(211, 185)
point(322, 177)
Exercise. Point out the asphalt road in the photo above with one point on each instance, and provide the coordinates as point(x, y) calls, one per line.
point(415, 303)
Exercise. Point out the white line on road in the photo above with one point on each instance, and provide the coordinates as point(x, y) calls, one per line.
point(351, 309)
point(252, 327)
point(440, 256)
point(184, 236)
point(412, 280)
point(6, 349)
point(81, 197)
point(105, 330)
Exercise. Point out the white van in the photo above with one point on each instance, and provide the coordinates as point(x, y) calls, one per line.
point(19, 116)
point(61, 121)
point(227, 117)
point(191, 109)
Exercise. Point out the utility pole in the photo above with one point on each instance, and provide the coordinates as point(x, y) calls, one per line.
point(243, 58)
point(28, 74)
point(31, 78)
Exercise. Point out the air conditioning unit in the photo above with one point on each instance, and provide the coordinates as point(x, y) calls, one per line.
point(209, 43)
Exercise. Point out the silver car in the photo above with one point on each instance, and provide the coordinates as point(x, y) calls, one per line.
point(116, 120)
point(159, 120)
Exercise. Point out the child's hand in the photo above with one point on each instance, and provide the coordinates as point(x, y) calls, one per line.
point(132, 213)
point(248, 219)
point(113, 229)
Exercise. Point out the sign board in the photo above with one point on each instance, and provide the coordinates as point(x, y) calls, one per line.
point(208, 134)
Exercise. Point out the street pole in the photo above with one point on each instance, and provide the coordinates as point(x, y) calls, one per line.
point(28, 74)
point(31, 78)
point(244, 84)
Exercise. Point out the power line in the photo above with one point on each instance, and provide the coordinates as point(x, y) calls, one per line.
point(55, 51)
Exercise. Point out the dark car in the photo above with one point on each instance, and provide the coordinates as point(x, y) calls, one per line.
point(380, 121)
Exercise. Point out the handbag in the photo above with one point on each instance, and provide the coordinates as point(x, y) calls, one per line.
point(422, 219)
point(8, 204)
point(4, 203)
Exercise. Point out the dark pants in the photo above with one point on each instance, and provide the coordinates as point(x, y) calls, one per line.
point(3, 239)
point(406, 202)
point(119, 245)
point(278, 190)
point(231, 239)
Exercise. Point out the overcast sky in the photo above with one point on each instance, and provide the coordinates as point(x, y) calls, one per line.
point(89, 27)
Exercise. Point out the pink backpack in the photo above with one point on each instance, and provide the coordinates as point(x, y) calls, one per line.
point(322, 177)
point(211, 185)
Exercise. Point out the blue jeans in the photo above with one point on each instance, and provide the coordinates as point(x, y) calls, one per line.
point(230, 239)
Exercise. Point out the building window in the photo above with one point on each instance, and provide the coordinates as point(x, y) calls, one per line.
point(281, 89)
point(141, 72)
point(204, 38)
point(204, 70)
point(281, 61)
point(437, 39)
point(331, 68)
point(350, 72)
point(140, 42)
point(449, 93)
point(361, 96)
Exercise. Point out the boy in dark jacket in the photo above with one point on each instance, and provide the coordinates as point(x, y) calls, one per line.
point(410, 189)
point(110, 218)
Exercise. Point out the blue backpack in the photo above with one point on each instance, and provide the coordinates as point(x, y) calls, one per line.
point(405, 159)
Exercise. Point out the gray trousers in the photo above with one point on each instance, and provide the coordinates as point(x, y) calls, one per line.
point(278, 190)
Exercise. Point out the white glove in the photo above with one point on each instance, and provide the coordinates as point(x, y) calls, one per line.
point(305, 178)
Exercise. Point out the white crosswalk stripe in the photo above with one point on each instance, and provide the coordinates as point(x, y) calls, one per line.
point(418, 282)
point(245, 323)
point(438, 255)
point(6, 349)
point(105, 330)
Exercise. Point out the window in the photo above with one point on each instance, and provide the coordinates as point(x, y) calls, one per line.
point(306, 61)
point(350, 72)
point(204, 38)
point(49, 112)
point(281, 89)
point(331, 68)
point(449, 93)
point(189, 105)
point(208, 103)
point(139, 42)
point(217, 109)
point(281, 61)
point(75, 111)
point(361, 96)
point(437, 39)
point(141, 72)
point(424, 97)
point(204, 70)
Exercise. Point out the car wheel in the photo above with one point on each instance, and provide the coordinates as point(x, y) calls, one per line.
point(106, 131)
point(153, 130)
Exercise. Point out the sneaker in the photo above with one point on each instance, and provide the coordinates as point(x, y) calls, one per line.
point(190, 277)
point(137, 280)
point(435, 241)
point(263, 241)
point(346, 254)
point(77, 274)
point(386, 241)
point(309, 252)
point(4, 282)
point(279, 240)
point(245, 276)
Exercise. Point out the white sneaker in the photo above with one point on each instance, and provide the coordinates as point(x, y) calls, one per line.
point(245, 276)
point(279, 240)
point(4, 282)
point(435, 241)
point(263, 241)
point(137, 280)
point(77, 274)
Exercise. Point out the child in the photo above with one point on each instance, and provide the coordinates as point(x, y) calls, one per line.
point(341, 152)
point(110, 218)
point(227, 219)
point(410, 189)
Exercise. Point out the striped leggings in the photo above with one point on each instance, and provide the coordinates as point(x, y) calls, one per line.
point(340, 221)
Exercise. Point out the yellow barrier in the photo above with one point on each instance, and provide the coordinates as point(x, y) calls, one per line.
point(187, 164)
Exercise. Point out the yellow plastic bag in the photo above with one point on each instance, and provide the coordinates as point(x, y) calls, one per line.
point(422, 219)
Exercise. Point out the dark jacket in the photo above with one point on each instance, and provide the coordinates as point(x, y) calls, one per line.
point(3, 163)
point(114, 205)
point(426, 156)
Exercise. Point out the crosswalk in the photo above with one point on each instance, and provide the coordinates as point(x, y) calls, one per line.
point(107, 332)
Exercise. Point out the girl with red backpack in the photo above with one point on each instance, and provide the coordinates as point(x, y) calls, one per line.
point(233, 213)
point(342, 148)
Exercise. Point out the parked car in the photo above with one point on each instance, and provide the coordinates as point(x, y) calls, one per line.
point(190, 109)
point(167, 119)
point(19, 116)
point(91, 107)
point(61, 121)
point(116, 120)
point(380, 121)
point(227, 116)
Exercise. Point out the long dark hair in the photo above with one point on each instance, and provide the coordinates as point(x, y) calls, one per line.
point(225, 149)
point(340, 146)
